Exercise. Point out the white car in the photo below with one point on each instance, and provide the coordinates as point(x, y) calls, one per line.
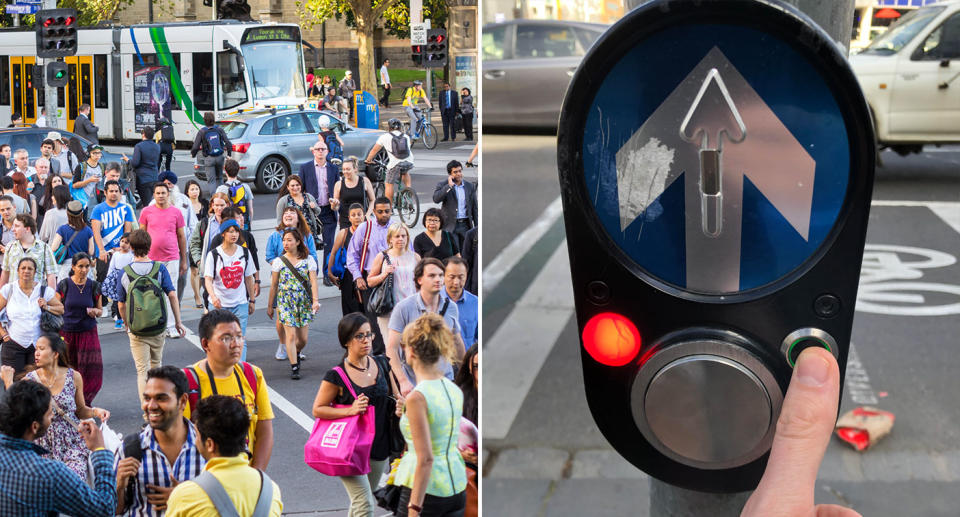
point(910, 76)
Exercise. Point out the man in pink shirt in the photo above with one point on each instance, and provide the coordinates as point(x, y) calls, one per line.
point(165, 225)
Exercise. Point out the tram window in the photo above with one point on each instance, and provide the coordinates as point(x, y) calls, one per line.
point(72, 110)
point(152, 60)
point(203, 80)
point(101, 92)
point(17, 79)
point(4, 80)
point(30, 107)
point(85, 90)
point(233, 87)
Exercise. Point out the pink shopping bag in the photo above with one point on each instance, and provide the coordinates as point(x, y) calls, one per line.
point(341, 447)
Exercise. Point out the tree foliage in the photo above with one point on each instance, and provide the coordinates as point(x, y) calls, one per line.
point(395, 19)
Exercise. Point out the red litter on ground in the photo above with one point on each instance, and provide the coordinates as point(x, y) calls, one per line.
point(864, 426)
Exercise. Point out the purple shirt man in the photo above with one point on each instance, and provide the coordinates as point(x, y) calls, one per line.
point(377, 243)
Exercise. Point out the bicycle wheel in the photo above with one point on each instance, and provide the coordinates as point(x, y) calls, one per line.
point(408, 206)
point(378, 189)
point(429, 136)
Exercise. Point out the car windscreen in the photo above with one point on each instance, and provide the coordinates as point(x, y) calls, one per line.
point(901, 32)
point(232, 128)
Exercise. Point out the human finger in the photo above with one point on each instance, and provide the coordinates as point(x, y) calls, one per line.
point(804, 427)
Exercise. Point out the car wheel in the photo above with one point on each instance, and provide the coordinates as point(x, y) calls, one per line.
point(271, 175)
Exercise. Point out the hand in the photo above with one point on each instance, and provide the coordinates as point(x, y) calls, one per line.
point(334, 203)
point(6, 374)
point(215, 301)
point(803, 432)
point(104, 256)
point(361, 284)
point(360, 404)
point(313, 205)
point(91, 434)
point(387, 269)
point(126, 469)
point(101, 413)
point(469, 456)
point(315, 306)
point(256, 290)
point(180, 329)
point(42, 303)
point(124, 156)
point(94, 312)
point(450, 180)
point(251, 307)
point(158, 495)
point(270, 312)
point(183, 266)
point(400, 402)
point(405, 386)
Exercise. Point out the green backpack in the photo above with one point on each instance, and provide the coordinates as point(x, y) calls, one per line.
point(146, 305)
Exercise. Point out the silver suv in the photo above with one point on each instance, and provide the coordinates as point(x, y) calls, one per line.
point(270, 144)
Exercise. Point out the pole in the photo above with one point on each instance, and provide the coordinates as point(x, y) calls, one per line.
point(666, 500)
point(49, 92)
point(150, 11)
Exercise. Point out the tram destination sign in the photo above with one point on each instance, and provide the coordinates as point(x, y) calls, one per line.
point(259, 34)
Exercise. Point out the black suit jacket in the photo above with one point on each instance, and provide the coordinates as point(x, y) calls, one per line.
point(83, 127)
point(309, 175)
point(454, 100)
point(447, 197)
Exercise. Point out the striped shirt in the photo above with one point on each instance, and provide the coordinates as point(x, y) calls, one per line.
point(156, 470)
point(34, 486)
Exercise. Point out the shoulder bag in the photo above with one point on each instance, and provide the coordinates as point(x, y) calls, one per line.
point(49, 322)
point(61, 252)
point(395, 436)
point(341, 447)
point(381, 299)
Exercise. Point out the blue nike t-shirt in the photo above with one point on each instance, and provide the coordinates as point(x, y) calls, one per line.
point(112, 220)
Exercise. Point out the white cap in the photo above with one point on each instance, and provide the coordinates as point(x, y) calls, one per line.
point(325, 121)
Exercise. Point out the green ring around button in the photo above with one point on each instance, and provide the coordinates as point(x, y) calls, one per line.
point(790, 350)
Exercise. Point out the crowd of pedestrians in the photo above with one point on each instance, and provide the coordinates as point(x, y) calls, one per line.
point(208, 433)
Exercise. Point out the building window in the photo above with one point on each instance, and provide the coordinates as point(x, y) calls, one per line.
point(101, 91)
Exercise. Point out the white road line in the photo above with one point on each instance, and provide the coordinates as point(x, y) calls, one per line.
point(949, 211)
point(523, 342)
point(276, 399)
point(521, 244)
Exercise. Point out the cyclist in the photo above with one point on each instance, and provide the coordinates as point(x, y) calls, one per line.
point(399, 156)
point(414, 95)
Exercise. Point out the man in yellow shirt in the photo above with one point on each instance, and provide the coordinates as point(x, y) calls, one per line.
point(414, 95)
point(227, 479)
point(222, 339)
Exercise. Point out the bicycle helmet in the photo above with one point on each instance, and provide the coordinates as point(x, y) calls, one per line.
point(417, 82)
point(395, 124)
point(324, 122)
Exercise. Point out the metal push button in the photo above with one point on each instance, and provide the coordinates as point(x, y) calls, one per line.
point(712, 410)
point(802, 339)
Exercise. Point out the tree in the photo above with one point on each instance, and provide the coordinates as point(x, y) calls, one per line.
point(363, 16)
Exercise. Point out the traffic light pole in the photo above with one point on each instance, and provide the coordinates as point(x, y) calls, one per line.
point(666, 500)
point(49, 92)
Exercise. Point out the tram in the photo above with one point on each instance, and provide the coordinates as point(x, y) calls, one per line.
point(133, 75)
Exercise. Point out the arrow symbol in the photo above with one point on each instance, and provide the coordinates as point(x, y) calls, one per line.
point(712, 113)
point(659, 153)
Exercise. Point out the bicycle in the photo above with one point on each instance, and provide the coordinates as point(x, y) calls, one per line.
point(425, 130)
point(405, 199)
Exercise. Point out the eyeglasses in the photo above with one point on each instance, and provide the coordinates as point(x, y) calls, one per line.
point(433, 221)
point(363, 336)
point(319, 148)
point(229, 340)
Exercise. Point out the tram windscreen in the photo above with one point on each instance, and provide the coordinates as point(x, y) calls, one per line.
point(275, 69)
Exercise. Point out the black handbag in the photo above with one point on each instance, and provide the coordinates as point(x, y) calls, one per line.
point(388, 497)
point(50, 322)
point(381, 300)
point(396, 440)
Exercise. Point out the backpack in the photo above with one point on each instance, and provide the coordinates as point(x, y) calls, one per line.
point(238, 196)
point(401, 149)
point(212, 143)
point(166, 134)
point(335, 151)
point(193, 384)
point(221, 499)
point(146, 305)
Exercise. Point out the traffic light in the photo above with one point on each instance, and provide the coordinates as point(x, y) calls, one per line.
point(56, 32)
point(57, 74)
point(416, 54)
point(435, 55)
point(715, 227)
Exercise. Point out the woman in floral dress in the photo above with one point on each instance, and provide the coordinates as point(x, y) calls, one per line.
point(295, 298)
point(63, 439)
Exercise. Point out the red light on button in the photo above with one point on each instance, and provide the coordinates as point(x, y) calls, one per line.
point(611, 339)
